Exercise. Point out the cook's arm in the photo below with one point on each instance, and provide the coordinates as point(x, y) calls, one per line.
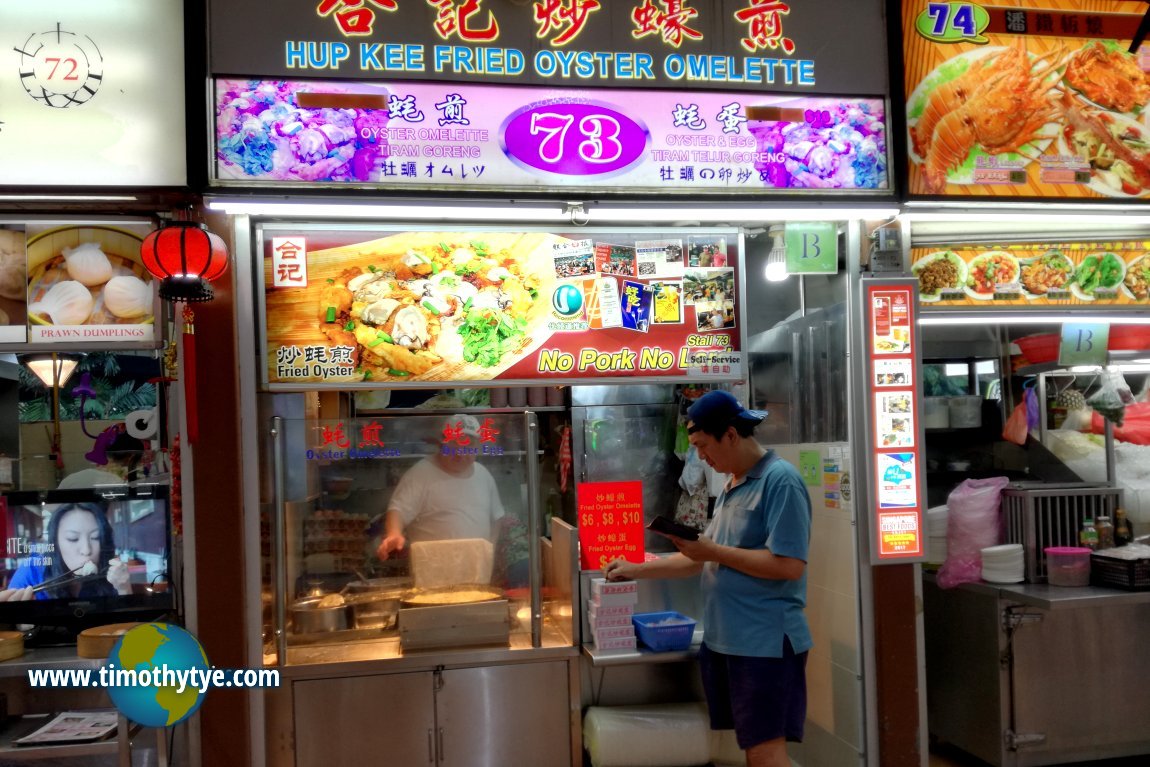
point(393, 539)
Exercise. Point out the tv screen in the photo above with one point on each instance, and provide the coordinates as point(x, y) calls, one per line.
point(84, 557)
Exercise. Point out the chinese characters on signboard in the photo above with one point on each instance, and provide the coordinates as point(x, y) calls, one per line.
point(750, 45)
point(610, 522)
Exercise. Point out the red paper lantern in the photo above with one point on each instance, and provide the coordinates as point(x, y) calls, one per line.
point(184, 256)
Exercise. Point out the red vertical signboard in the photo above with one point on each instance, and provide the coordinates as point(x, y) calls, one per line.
point(610, 522)
point(895, 432)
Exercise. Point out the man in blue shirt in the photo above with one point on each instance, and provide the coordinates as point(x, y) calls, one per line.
point(752, 558)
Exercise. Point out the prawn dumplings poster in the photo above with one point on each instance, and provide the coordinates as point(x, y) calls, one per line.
point(1039, 274)
point(1026, 98)
point(379, 308)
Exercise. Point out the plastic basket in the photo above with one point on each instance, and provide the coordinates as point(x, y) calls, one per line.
point(1129, 574)
point(664, 632)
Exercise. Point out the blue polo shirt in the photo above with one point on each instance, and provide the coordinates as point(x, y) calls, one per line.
point(742, 614)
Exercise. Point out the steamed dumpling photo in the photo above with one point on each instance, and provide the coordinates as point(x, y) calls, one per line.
point(87, 264)
point(128, 297)
point(66, 303)
point(13, 265)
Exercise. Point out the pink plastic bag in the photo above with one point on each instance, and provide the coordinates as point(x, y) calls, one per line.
point(972, 524)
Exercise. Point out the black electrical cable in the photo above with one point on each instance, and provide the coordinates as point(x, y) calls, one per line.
point(1140, 35)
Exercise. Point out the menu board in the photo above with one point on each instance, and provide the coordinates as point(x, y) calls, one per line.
point(1038, 275)
point(1026, 98)
point(895, 432)
point(409, 308)
point(75, 284)
point(416, 135)
point(610, 523)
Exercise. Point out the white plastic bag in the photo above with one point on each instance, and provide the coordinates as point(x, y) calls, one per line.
point(972, 524)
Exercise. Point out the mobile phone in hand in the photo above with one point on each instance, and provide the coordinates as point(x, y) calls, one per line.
point(665, 526)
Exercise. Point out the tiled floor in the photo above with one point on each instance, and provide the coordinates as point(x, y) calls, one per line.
point(948, 756)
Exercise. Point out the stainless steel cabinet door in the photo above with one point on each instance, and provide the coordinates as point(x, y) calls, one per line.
point(505, 715)
point(387, 719)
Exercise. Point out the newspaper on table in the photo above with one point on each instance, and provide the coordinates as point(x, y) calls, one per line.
point(73, 727)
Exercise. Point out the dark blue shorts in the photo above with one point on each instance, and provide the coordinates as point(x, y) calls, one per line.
point(760, 698)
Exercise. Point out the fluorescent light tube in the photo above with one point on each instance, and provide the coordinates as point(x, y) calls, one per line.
point(430, 211)
point(1059, 217)
point(557, 212)
point(67, 197)
point(1021, 318)
point(664, 214)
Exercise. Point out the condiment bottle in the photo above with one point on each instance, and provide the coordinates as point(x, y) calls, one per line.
point(1088, 535)
point(1123, 533)
point(1105, 532)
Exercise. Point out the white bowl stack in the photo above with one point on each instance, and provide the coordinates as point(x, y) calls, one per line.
point(1003, 564)
point(936, 534)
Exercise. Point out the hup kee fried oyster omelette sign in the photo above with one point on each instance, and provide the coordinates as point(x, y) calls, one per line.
point(355, 309)
point(1031, 98)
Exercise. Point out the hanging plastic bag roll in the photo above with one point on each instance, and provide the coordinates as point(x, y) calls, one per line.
point(671, 735)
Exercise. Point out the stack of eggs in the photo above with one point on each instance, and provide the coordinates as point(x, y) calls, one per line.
point(1003, 564)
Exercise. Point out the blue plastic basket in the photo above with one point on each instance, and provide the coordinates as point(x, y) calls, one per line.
point(661, 636)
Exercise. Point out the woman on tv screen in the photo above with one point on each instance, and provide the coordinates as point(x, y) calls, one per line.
point(77, 559)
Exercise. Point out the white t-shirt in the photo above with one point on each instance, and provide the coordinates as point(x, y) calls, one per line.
point(435, 505)
point(90, 478)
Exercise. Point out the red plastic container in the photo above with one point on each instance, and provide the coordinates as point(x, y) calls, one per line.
point(1043, 347)
point(1039, 348)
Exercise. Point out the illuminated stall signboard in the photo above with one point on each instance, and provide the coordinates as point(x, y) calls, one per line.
point(82, 284)
point(385, 308)
point(643, 95)
point(1026, 98)
point(1042, 275)
point(895, 432)
point(92, 94)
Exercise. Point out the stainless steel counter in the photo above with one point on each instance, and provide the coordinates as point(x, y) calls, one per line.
point(384, 656)
point(1049, 597)
point(1022, 675)
point(643, 655)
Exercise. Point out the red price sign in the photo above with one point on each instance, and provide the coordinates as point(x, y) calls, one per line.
point(610, 522)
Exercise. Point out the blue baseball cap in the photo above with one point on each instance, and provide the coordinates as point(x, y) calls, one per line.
point(721, 409)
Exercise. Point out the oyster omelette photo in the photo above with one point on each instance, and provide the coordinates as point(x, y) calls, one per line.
point(414, 306)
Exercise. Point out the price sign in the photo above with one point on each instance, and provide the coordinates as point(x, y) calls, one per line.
point(610, 522)
point(577, 139)
point(60, 69)
point(953, 23)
